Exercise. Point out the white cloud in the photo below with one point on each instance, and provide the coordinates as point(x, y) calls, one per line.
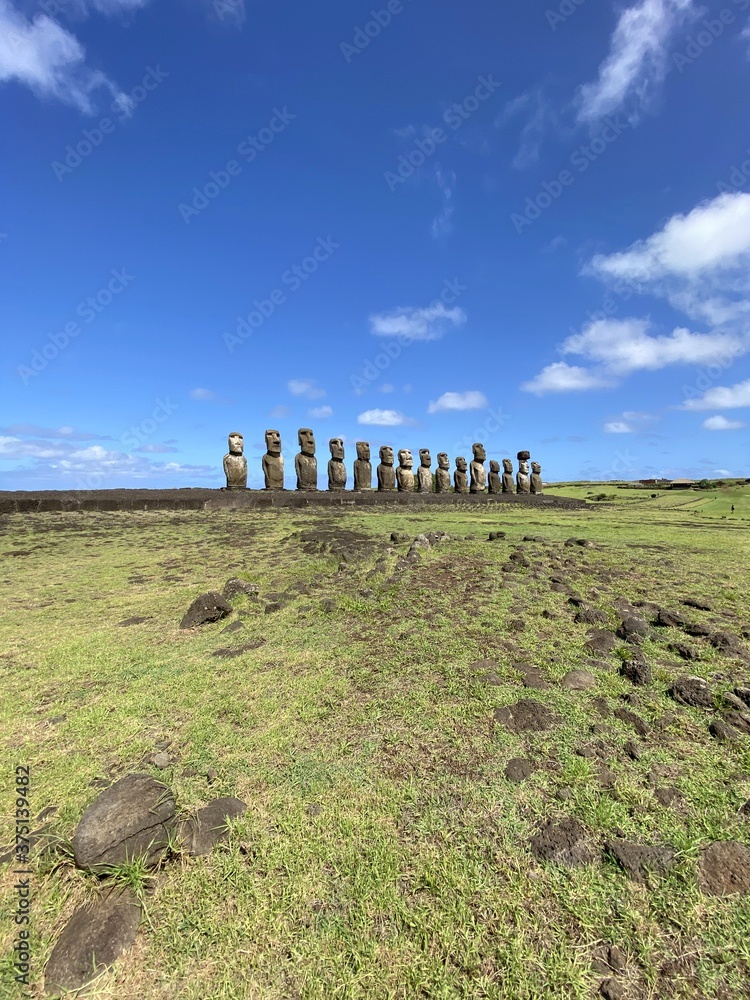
point(61, 433)
point(50, 61)
point(387, 387)
point(638, 58)
point(13, 447)
point(541, 116)
point(442, 224)
point(699, 262)
point(562, 377)
point(618, 427)
point(305, 387)
point(202, 394)
point(382, 418)
point(429, 323)
point(156, 449)
point(473, 400)
point(722, 397)
point(719, 423)
point(320, 412)
point(722, 472)
point(625, 346)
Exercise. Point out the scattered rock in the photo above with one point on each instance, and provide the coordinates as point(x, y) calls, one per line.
point(527, 714)
point(693, 691)
point(732, 701)
point(600, 641)
point(161, 760)
point(229, 652)
point(236, 586)
point(496, 536)
point(638, 860)
point(211, 775)
point(565, 794)
point(724, 868)
point(588, 615)
point(274, 606)
point(632, 750)
point(518, 769)
point(130, 819)
point(694, 602)
point(533, 677)
point(209, 607)
point(744, 694)
point(564, 842)
point(135, 620)
point(328, 605)
point(636, 672)
point(519, 558)
point(722, 731)
point(625, 715)
point(727, 644)
point(200, 833)
point(670, 619)
point(667, 795)
point(684, 651)
point(92, 940)
point(399, 537)
point(740, 721)
point(234, 627)
point(578, 680)
point(601, 705)
point(633, 629)
point(611, 989)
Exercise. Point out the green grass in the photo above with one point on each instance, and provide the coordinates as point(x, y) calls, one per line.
point(383, 853)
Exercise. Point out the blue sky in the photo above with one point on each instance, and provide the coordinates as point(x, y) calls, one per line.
point(417, 224)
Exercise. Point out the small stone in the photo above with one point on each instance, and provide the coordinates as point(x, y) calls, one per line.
point(563, 842)
point(235, 587)
point(135, 620)
point(208, 607)
point(636, 672)
point(565, 794)
point(633, 629)
point(670, 619)
point(229, 652)
point(518, 769)
point(693, 691)
point(327, 605)
point(231, 629)
point(200, 833)
point(625, 715)
point(616, 958)
point(91, 941)
point(161, 760)
point(632, 750)
point(610, 989)
point(600, 641)
point(732, 701)
point(588, 615)
point(526, 715)
point(667, 795)
point(740, 721)
point(722, 732)
point(211, 775)
point(684, 651)
point(578, 680)
point(638, 860)
point(724, 869)
point(694, 602)
point(743, 693)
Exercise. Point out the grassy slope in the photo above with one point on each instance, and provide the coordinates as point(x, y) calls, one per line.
point(384, 853)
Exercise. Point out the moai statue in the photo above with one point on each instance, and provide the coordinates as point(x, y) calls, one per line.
point(386, 472)
point(235, 463)
point(363, 467)
point(404, 473)
point(305, 463)
point(523, 483)
point(443, 474)
point(495, 483)
point(272, 462)
point(477, 470)
point(336, 467)
point(424, 472)
point(460, 476)
point(536, 478)
point(509, 485)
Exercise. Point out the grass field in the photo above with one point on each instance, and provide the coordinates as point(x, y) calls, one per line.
point(384, 852)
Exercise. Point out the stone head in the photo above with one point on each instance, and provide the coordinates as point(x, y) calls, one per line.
point(363, 451)
point(306, 440)
point(480, 455)
point(443, 461)
point(536, 468)
point(461, 464)
point(386, 454)
point(494, 466)
point(425, 458)
point(405, 459)
point(523, 456)
point(273, 442)
point(337, 447)
point(507, 465)
point(236, 443)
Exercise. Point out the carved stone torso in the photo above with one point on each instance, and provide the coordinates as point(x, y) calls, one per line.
point(405, 480)
point(536, 478)
point(495, 483)
point(235, 469)
point(478, 477)
point(386, 478)
point(362, 475)
point(336, 474)
point(273, 471)
point(424, 479)
point(306, 467)
point(523, 483)
point(442, 481)
point(509, 485)
point(461, 481)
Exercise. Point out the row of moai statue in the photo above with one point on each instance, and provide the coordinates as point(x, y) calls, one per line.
point(467, 478)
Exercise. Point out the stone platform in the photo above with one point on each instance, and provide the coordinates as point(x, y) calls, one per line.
point(32, 501)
